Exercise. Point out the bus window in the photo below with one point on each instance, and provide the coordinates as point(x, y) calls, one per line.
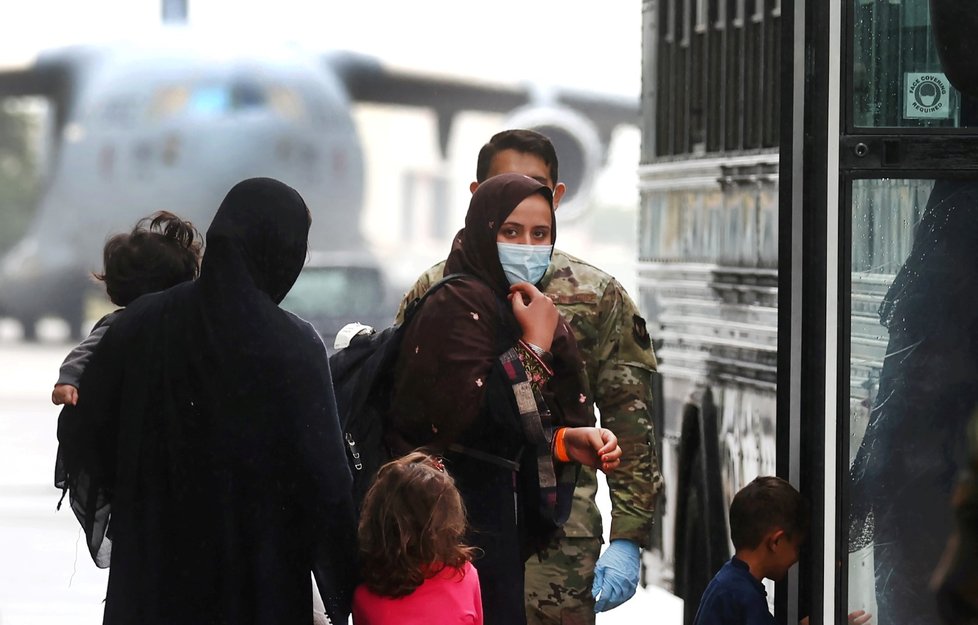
point(912, 371)
point(896, 74)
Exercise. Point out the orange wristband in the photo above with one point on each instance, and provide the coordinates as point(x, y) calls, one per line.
point(560, 447)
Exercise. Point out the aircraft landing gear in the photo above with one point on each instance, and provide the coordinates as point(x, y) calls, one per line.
point(72, 315)
point(74, 320)
point(29, 327)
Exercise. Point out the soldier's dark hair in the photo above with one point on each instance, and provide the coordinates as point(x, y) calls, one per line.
point(767, 503)
point(521, 140)
point(161, 251)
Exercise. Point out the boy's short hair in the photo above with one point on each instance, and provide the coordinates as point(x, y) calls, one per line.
point(765, 504)
point(523, 141)
point(161, 251)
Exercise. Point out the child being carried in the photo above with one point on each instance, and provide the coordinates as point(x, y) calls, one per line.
point(161, 251)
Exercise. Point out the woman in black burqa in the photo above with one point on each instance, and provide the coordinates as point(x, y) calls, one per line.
point(204, 458)
point(469, 384)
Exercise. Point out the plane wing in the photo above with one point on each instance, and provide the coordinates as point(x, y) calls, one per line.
point(368, 80)
point(28, 81)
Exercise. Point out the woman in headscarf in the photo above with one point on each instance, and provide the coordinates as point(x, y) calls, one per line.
point(488, 374)
point(204, 459)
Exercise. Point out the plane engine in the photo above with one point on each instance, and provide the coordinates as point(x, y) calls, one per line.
point(579, 148)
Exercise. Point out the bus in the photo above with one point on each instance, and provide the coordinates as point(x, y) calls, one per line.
point(807, 245)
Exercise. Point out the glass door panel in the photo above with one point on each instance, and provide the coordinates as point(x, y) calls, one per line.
point(913, 384)
point(896, 75)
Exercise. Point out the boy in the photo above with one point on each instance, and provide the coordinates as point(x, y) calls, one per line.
point(768, 522)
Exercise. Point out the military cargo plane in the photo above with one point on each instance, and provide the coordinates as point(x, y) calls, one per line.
point(172, 123)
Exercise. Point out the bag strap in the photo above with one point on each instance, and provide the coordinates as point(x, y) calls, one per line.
point(499, 461)
point(417, 302)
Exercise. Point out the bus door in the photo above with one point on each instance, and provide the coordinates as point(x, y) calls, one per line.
point(881, 375)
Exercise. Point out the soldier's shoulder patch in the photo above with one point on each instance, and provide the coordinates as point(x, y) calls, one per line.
point(564, 272)
point(640, 333)
point(573, 298)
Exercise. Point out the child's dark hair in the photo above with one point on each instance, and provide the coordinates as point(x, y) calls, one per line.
point(766, 503)
point(161, 251)
point(411, 526)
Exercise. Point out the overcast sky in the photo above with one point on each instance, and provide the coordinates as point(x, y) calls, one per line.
point(564, 42)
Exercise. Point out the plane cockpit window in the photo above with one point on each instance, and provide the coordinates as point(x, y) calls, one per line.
point(247, 95)
point(207, 99)
point(169, 101)
point(286, 102)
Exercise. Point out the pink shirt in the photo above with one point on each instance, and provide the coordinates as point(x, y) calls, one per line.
point(448, 598)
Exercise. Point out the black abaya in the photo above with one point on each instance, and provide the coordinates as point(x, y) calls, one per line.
point(204, 458)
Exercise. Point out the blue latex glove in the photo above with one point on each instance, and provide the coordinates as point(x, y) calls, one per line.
point(616, 575)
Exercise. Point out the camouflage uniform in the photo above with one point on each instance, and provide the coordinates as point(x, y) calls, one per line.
point(618, 355)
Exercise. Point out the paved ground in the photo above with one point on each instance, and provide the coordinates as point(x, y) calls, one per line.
point(46, 574)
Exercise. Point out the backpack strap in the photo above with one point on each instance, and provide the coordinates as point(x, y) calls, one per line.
point(412, 308)
point(415, 304)
point(499, 461)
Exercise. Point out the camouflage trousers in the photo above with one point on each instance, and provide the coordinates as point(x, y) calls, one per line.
point(558, 583)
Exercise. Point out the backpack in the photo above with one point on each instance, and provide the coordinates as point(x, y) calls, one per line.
point(363, 380)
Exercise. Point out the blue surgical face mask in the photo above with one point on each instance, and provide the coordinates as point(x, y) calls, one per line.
point(524, 263)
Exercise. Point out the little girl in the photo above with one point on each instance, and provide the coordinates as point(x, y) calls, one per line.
point(160, 252)
point(416, 569)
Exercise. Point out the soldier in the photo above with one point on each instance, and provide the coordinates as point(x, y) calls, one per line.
point(564, 581)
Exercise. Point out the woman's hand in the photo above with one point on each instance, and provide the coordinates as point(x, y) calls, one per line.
point(535, 313)
point(593, 447)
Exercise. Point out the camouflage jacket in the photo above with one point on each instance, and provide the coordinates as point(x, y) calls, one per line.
point(617, 349)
